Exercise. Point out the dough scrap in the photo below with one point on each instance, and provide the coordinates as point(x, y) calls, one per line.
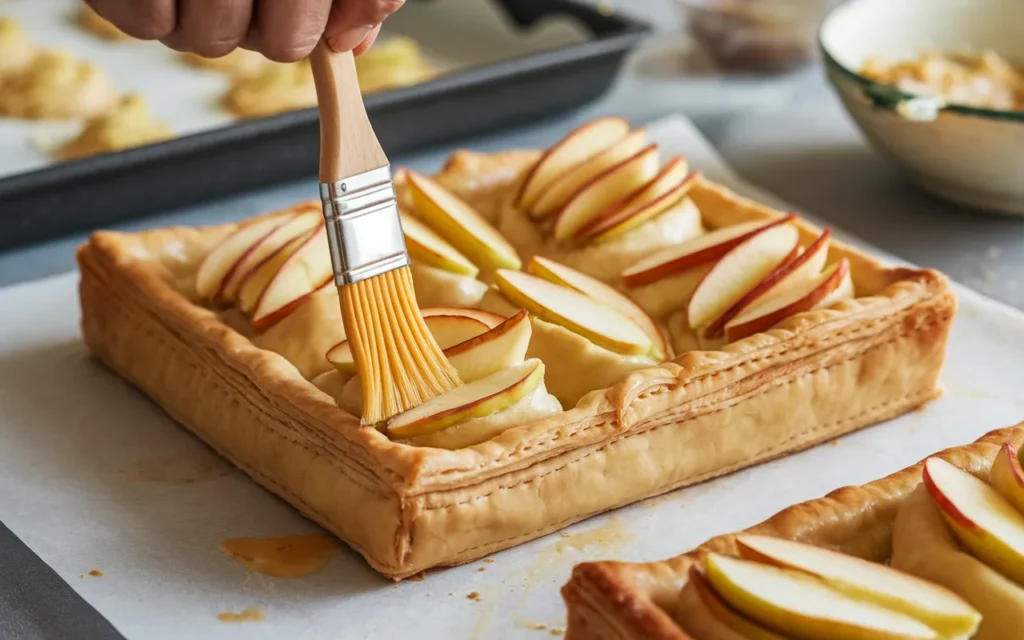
point(129, 124)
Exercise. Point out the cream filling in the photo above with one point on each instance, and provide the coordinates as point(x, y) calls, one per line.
point(439, 288)
point(608, 259)
point(575, 366)
point(686, 339)
point(672, 293)
point(534, 406)
point(305, 335)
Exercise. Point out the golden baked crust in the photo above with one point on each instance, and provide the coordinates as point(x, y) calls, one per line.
point(815, 376)
point(624, 600)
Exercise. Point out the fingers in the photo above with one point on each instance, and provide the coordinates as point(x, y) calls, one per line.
point(211, 28)
point(145, 20)
point(367, 41)
point(352, 22)
point(287, 30)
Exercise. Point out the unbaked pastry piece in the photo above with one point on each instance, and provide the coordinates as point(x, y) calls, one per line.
point(276, 88)
point(129, 124)
point(57, 86)
point(16, 50)
point(405, 507)
point(392, 62)
point(98, 25)
point(891, 520)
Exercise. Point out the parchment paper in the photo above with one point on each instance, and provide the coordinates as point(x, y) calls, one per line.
point(94, 476)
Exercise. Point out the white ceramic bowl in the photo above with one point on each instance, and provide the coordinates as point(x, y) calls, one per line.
point(970, 156)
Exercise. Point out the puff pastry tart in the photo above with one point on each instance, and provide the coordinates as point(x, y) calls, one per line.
point(579, 397)
point(933, 551)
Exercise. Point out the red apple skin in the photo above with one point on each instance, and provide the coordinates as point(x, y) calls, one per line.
point(1007, 476)
point(615, 215)
point(792, 262)
point(945, 505)
point(524, 185)
point(218, 296)
point(273, 318)
point(768, 321)
point(710, 254)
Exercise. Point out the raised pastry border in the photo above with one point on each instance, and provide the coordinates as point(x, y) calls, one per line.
point(620, 600)
point(816, 376)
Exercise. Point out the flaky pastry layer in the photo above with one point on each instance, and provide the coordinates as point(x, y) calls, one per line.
point(815, 376)
point(620, 600)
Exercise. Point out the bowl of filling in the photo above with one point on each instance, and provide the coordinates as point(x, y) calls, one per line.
point(938, 86)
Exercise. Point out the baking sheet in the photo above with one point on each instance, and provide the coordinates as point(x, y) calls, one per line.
point(94, 476)
point(188, 99)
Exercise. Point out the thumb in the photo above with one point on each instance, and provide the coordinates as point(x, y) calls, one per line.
point(348, 38)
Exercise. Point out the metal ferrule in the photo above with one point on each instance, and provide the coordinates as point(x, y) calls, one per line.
point(364, 230)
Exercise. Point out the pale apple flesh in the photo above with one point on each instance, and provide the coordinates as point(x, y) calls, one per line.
point(305, 271)
point(609, 186)
point(461, 225)
point(476, 399)
point(259, 277)
point(561, 190)
point(600, 324)
point(560, 274)
point(937, 607)
point(793, 274)
point(739, 271)
point(431, 249)
point(986, 524)
point(632, 216)
point(488, 318)
point(1007, 476)
point(295, 227)
point(706, 616)
point(802, 606)
point(696, 251)
point(580, 144)
point(833, 284)
point(217, 266)
point(501, 347)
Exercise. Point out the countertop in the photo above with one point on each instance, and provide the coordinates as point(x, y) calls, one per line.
point(787, 134)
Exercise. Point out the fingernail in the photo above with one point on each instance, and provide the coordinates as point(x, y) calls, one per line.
point(348, 39)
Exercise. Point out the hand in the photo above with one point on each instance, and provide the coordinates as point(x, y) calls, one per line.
point(282, 30)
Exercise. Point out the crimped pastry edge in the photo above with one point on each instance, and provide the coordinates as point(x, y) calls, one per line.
point(620, 600)
point(913, 306)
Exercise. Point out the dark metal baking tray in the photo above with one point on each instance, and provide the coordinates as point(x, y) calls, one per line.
point(104, 190)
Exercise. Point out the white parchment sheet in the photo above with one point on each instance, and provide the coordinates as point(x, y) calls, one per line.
point(94, 476)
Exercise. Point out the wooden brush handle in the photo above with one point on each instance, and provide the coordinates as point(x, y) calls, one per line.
point(348, 145)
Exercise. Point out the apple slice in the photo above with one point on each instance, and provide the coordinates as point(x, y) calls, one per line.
point(461, 225)
point(791, 275)
point(937, 607)
point(803, 606)
point(1007, 476)
point(251, 289)
point(739, 271)
point(568, 308)
point(429, 248)
point(831, 285)
point(489, 319)
point(502, 347)
point(305, 271)
point(580, 144)
point(610, 185)
point(562, 190)
point(295, 227)
point(664, 191)
point(217, 266)
point(694, 252)
point(705, 615)
point(568, 277)
point(476, 399)
point(449, 326)
point(981, 519)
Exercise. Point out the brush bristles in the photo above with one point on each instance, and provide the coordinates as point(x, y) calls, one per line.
point(400, 365)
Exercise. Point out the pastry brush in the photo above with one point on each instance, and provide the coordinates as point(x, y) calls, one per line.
point(399, 363)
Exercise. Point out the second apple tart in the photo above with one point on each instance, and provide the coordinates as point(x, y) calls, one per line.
point(584, 387)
